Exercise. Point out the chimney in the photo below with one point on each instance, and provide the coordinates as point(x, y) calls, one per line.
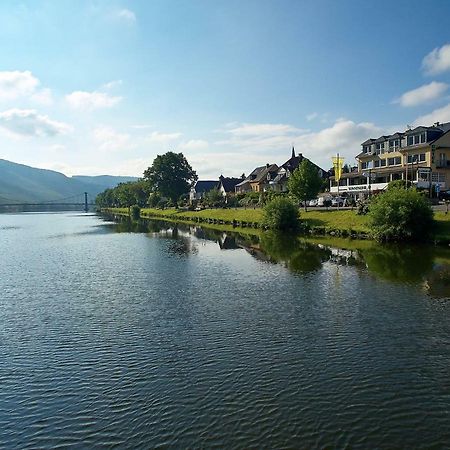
point(221, 177)
point(267, 165)
point(293, 152)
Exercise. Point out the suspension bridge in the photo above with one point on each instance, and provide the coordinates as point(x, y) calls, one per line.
point(74, 201)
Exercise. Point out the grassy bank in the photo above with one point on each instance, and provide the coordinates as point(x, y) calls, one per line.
point(321, 222)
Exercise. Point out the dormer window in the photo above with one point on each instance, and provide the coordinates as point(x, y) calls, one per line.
point(379, 148)
point(394, 144)
point(420, 138)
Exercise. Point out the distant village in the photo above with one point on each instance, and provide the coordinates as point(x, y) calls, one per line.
point(419, 155)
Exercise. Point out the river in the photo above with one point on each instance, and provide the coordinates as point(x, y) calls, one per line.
point(160, 336)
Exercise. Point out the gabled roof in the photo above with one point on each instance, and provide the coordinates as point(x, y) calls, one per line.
point(381, 139)
point(229, 183)
point(397, 135)
point(263, 173)
point(205, 185)
point(368, 142)
point(444, 126)
point(417, 130)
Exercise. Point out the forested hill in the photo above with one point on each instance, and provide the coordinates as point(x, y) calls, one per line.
point(20, 183)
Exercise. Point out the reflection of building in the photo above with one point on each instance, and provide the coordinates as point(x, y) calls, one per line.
point(420, 155)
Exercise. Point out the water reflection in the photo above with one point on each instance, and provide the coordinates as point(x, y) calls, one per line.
point(426, 267)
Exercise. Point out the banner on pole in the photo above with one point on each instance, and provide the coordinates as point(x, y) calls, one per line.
point(338, 162)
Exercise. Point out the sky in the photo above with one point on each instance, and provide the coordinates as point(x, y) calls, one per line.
point(103, 87)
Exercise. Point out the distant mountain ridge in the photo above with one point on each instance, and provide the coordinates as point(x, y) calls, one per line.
point(22, 184)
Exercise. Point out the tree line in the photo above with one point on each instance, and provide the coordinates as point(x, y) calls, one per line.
point(167, 180)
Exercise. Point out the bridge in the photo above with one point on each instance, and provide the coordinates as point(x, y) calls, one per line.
point(80, 200)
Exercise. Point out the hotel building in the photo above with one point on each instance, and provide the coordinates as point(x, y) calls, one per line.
point(420, 155)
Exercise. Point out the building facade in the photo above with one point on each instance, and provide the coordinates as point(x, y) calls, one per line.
point(420, 155)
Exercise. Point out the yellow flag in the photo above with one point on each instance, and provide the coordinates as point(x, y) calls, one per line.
point(338, 162)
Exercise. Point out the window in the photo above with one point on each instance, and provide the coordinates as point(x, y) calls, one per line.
point(379, 147)
point(394, 161)
point(394, 143)
point(377, 163)
point(366, 148)
point(423, 137)
point(364, 165)
point(416, 139)
point(416, 158)
point(382, 162)
point(438, 177)
point(410, 140)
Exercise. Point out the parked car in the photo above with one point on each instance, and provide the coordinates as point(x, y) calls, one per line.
point(338, 201)
point(313, 202)
point(324, 201)
point(444, 195)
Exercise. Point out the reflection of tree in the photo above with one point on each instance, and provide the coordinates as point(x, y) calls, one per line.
point(395, 263)
point(300, 257)
point(438, 282)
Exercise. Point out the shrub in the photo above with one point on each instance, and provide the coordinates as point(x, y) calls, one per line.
point(153, 199)
point(163, 203)
point(135, 212)
point(399, 184)
point(400, 215)
point(362, 207)
point(281, 214)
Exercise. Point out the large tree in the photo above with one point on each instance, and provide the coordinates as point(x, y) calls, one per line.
point(170, 175)
point(305, 182)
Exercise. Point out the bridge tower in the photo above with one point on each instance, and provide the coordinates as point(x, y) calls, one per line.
point(86, 206)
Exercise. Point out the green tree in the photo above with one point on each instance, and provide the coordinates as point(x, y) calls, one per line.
point(214, 198)
point(281, 214)
point(305, 182)
point(400, 214)
point(170, 175)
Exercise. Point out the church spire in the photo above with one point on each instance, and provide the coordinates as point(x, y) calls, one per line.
point(293, 152)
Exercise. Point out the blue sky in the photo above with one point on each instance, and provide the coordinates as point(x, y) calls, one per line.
point(94, 87)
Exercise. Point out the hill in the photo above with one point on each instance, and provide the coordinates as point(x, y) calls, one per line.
point(20, 183)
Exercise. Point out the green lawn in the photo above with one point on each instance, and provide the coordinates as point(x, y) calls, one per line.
point(332, 219)
point(442, 225)
point(339, 220)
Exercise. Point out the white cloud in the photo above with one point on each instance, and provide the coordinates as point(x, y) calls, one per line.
point(437, 61)
point(312, 116)
point(438, 115)
point(27, 122)
point(43, 97)
point(261, 129)
point(15, 84)
point(141, 126)
point(163, 138)
point(109, 139)
point(112, 84)
point(194, 145)
point(126, 15)
point(245, 151)
point(423, 94)
point(58, 147)
point(260, 136)
point(91, 100)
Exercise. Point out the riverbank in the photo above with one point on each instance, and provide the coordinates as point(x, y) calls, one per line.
point(342, 223)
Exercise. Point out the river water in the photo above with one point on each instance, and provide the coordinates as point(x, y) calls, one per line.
point(157, 336)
